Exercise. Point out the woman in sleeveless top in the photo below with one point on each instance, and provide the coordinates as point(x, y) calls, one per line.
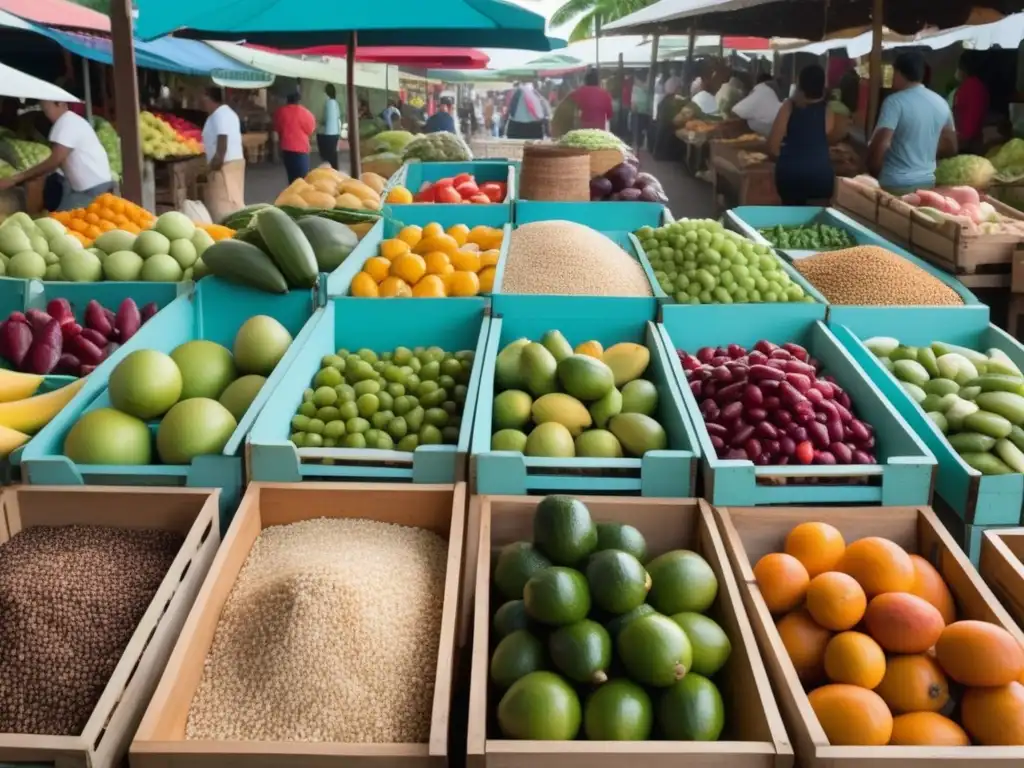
point(799, 142)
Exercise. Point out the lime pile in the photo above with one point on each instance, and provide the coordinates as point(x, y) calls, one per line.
point(396, 400)
point(588, 613)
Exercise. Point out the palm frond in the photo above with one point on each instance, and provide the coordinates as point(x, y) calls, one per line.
point(570, 10)
point(585, 28)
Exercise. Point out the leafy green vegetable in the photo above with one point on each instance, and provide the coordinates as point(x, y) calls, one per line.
point(965, 171)
point(434, 147)
point(591, 138)
point(811, 237)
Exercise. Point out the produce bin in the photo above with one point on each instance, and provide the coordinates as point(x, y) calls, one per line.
point(754, 734)
point(1002, 568)
point(413, 175)
point(192, 512)
point(904, 472)
point(160, 740)
point(215, 311)
point(668, 473)
point(975, 498)
point(381, 326)
point(750, 533)
point(967, 536)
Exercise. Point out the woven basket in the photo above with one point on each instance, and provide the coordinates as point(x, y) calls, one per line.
point(555, 174)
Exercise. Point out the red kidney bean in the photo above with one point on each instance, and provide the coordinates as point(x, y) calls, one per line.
point(787, 445)
point(869, 443)
point(765, 347)
point(705, 354)
point(844, 413)
point(789, 395)
point(732, 411)
point(763, 460)
point(766, 429)
point(720, 359)
point(710, 387)
point(835, 429)
point(695, 388)
point(736, 454)
point(799, 382)
point(795, 366)
point(689, 362)
point(752, 395)
point(740, 436)
point(842, 453)
point(862, 457)
point(859, 431)
point(716, 429)
point(844, 400)
point(825, 388)
point(780, 354)
point(709, 410)
point(779, 365)
point(729, 393)
point(753, 447)
point(755, 415)
point(795, 350)
point(721, 374)
point(717, 443)
point(824, 457)
point(759, 372)
point(735, 351)
point(701, 374)
point(771, 446)
point(782, 418)
point(815, 396)
point(821, 418)
point(772, 403)
point(818, 434)
point(783, 461)
point(757, 358)
point(798, 433)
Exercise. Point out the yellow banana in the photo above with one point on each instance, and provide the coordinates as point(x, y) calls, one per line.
point(10, 441)
point(17, 386)
point(33, 413)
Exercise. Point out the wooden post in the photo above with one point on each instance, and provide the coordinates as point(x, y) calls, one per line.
point(353, 106)
point(875, 65)
point(126, 86)
point(87, 89)
point(688, 76)
point(597, 46)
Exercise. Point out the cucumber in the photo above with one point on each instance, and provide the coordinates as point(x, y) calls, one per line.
point(971, 442)
point(1016, 437)
point(882, 346)
point(1006, 404)
point(988, 424)
point(245, 264)
point(998, 382)
point(946, 402)
point(986, 463)
point(941, 386)
point(241, 218)
point(911, 371)
point(288, 247)
point(939, 420)
point(941, 348)
point(332, 241)
point(904, 353)
point(1010, 454)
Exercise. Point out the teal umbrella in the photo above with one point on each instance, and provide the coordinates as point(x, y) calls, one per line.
point(552, 62)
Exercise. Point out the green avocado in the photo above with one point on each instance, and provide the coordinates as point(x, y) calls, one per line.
point(619, 710)
point(516, 564)
point(540, 707)
point(711, 646)
point(681, 581)
point(563, 530)
point(557, 596)
point(622, 536)
point(619, 623)
point(582, 651)
point(508, 618)
point(618, 582)
point(655, 651)
point(517, 655)
point(691, 710)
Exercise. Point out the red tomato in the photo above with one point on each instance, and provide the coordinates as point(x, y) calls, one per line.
point(426, 195)
point(804, 452)
point(480, 198)
point(467, 189)
point(494, 190)
point(444, 183)
point(448, 195)
point(462, 178)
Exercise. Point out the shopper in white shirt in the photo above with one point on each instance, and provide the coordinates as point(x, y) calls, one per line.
point(704, 99)
point(222, 140)
point(760, 107)
point(77, 153)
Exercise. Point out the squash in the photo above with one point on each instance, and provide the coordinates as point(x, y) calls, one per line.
point(359, 189)
point(243, 263)
point(373, 181)
point(348, 200)
point(288, 247)
point(318, 199)
point(327, 186)
point(332, 241)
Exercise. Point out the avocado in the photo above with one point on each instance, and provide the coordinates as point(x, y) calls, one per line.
point(620, 710)
point(540, 707)
point(511, 409)
point(585, 378)
point(563, 530)
point(681, 581)
point(506, 365)
point(618, 582)
point(537, 369)
point(508, 618)
point(598, 444)
point(581, 651)
point(556, 344)
point(691, 710)
point(640, 396)
point(517, 655)
point(655, 650)
point(516, 563)
point(621, 536)
point(619, 623)
point(557, 596)
point(711, 646)
point(601, 411)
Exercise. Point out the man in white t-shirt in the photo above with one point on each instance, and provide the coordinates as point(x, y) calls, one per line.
point(760, 107)
point(77, 153)
point(222, 140)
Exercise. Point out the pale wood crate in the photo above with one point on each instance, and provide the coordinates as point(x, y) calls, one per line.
point(160, 741)
point(753, 724)
point(752, 532)
point(1002, 568)
point(856, 199)
point(192, 512)
point(953, 248)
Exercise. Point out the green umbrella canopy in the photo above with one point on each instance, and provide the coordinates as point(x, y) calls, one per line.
point(552, 62)
point(283, 23)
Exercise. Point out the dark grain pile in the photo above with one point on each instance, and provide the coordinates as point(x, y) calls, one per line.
point(70, 599)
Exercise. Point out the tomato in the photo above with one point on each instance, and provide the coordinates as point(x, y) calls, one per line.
point(444, 183)
point(426, 195)
point(494, 190)
point(462, 178)
point(480, 198)
point(804, 452)
point(467, 189)
point(448, 195)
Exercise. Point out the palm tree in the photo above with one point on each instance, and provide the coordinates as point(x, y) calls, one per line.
point(590, 13)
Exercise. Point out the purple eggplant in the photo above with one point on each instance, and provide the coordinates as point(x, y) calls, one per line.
point(600, 188)
point(621, 176)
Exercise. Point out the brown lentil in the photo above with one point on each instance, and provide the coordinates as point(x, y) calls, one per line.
point(562, 257)
point(869, 275)
point(330, 634)
point(70, 600)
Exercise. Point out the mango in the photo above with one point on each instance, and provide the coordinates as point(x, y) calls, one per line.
point(609, 405)
point(628, 361)
point(511, 409)
point(506, 365)
point(598, 444)
point(508, 440)
point(550, 440)
point(591, 348)
point(638, 434)
point(564, 409)
point(537, 369)
point(640, 396)
point(585, 378)
point(556, 344)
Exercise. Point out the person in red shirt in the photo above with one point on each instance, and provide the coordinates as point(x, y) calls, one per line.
point(970, 104)
point(294, 125)
point(594, 103)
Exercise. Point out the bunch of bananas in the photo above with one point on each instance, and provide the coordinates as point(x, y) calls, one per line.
point(23, 412)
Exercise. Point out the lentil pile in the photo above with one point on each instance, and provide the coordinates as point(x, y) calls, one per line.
point(330, 634)
point(562, 257)
point(70, 599)
point(869, 275)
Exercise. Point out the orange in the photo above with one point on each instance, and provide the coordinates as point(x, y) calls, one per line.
point(364, 285)
point(121, 220)
point(927, 729)
point(486, 276)
point(377, 267)
point(978, 653)
point(438, 263)
point(914, 684)
point(466, 261)
point(393, 248)
point(410, 267)
point(116, 204)
point(852, 716)
point(433, 229)
point(805, 642)
point(994, 716)
point(469, 247)
point(490, 259)
point(133, 228)
point(928, 584)
point(835, 600)
point(460, 232)
point(431, 286)
point(856, 659)
point(903, 623)
point(399, 195)
point(782, 580)
point(817, 545)
point(878, 565)
point(411, 234)
point(486, 237)
point(394, 287)
point(463, 284)
point(92, 218)
point(442, 242)
point(93, 232)
point(78, 225)
point(107, 226)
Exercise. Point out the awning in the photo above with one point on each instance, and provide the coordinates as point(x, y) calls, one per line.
point(201, 59)
point(409, 55)
point(18, 85)
point(58, 13)
point(324, 70)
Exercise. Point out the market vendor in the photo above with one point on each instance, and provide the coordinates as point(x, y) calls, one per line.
point(761, 106)
point(704, 98)
point(914, 126)
point(799, 142)
point(970, 104)
point(77, 153)
point(222, 140)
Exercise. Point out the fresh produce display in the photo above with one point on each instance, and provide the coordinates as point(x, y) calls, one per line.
point(391, 401)
point(701, 262)
point(873, 276)
point(186, 130)
point(53, 342)
point(809, 237)
point(623, 182)
point(872, 633)
point(773, 405)
point(457, 189)
point(160, 141)
point(326, 188)
point(589, 614)
point(965, 170)
point(975, 399)
point(437, 147)
point(29, 153)
point(23, 412)
point(1008, 160)
point(106, 212)
point(594, 139)
point(217, 232)
point(99, 580)
point(195, 395)
point(111, 142)
point(7, 170)
point(565, 258)
point(359, 221)
point(394, 142)
point(307, 612)
point(556, 402)
point(429, 262)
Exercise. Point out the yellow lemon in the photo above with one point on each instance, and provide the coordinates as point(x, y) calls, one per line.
point(433, 229)
point(411, 234)
point(400, 195)
point(410, 267)
point(377, 267)
point(487, 279)
point(393, 287)
point(431, 286)
point(364, 286)
point(463, 284)
point(393, 248)
point(444, 243)
point(490, 258)
point(438, 263)
point(466, 261)
point(460, 232)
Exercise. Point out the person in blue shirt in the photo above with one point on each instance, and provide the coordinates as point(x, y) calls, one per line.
point(442, 120)
point(799, 142)
point(914, 127)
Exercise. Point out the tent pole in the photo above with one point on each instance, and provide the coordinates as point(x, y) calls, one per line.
point(688, 76)
point(353, 106)
point(875, 66)
point(597, 46)
point(87, 89)
point(126, 88)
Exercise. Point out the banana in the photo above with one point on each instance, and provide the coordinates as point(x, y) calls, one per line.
point(33, 413)
point(10, 441)
point(17, 386)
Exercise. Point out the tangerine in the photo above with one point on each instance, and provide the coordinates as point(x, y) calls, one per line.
point(460, 232)
point(805, 642)
point(817, 545)
point(377, 267)
point(463, 284)
point(856, 659)
point(438, 263)
point(393, 248)
point(782, 580)
point(433, 229)
point(410, 267)
point(364, 286)
point(430, 286)
point(466, 261)
point(486, 276)
point(394, 287)
point(835, 600)
point(411, 234)
point(929, 585)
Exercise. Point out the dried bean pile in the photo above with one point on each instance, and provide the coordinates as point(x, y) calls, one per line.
point(70, 600)
point(330, 634)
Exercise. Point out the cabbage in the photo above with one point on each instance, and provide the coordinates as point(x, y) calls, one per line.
point(1009, 156)
point(965, 170)
point(591, 138)
point(437, 147)
point(391, 141)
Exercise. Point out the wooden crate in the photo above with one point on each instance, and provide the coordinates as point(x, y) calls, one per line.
point(192, 512)
point(752, 532)
point(160, 741)
point(859, 200)
point(894, 217)
point(953, 248)
point(754, 729)
point(1002, 568)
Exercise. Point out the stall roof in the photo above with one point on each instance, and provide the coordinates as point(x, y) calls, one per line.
point(17, 84)
point(205, 60)
point(58, 13)
point(410, 55)
point(322, 70)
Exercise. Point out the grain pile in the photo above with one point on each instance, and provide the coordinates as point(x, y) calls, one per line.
point(329, 634)
point(561, 257)
point(869, 275)
point(70, 599)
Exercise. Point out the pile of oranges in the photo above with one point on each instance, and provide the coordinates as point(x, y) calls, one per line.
point(872, 633)
point(105, 213)
point(430, 262)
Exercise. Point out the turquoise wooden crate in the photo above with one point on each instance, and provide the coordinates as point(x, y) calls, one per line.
point(903, 475)
point(604, 216)
point(668, 473)
point(977, 499)
point(352, 323)
point(415, 174)
point(215, 311)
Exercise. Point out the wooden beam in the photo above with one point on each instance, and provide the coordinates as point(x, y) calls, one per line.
point(353, 106)
point(126, 94)
point(875, 65)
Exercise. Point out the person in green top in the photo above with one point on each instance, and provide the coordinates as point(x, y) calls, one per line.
point(330, 129)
